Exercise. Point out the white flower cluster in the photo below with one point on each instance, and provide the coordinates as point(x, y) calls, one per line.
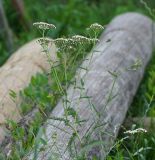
point(96, 26)
point(71, 43)
point(44, 26)
point(80, 39)
point(138, 130)
point(42, 41)
point(84, 40)
point(62, 42)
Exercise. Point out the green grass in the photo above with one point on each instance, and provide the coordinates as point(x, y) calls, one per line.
point(143, 106)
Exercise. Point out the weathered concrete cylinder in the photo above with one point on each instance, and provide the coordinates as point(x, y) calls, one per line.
point(15, 75)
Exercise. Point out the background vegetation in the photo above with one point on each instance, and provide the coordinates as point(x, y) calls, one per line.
point(70, 16)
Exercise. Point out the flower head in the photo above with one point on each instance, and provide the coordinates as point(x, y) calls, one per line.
point(64, 44)
point(80, 39)
point(44, 25)
point(59, 42)
point(95, 29)
point(138, 130)
point(43, 41)
point(96, 26)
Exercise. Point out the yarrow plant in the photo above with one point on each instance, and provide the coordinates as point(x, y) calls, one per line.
point(69, 50)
